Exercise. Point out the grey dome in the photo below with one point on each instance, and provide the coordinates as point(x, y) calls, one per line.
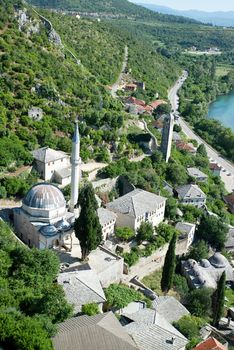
point(44, 196)
point(218, 260)
point(63, 225)
point(48, 230)
point(205, 263)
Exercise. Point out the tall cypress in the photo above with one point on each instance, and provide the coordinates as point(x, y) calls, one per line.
point(87, 227)
point(218, 300)
point(169, 266)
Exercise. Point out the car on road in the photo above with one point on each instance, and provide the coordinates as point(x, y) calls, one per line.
point(229, 174)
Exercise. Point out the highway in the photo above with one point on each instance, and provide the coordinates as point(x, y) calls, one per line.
point(227, 173)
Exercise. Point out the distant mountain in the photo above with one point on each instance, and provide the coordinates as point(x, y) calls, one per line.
point(216, 18)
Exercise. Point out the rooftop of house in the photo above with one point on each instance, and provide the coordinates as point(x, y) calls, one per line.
point(170, 308)
point(195, 172)
point(185, 227)
point(46, 155)
point(210, 344)
point(134, 100)
point(158, 124)
point(229, 199)
point(105, 216)
point(157, 103)
point(206, 273)
point(229, 244)
point(136, 203)
point(63, 173)
point(81, 287)
point(99, 332)
point(151, 331)
point(188, 147)
point(214, 166)
point(190, 191)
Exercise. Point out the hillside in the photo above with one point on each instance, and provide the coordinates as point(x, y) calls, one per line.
point(121, 8)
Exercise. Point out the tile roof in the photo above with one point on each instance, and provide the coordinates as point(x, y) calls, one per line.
point(135, 101)
point(210, 344)
point(81, 287)
point(185, 146)
point(195, 172)
point(229, 244)
point(229, 199)
point(214, 166)
point(136, 203)
point(184, 227)
point(170, 308)
point(46, 154)
point(190, 191)
point(105, 216)
point(155, 337)
point(100, 332)
point(157, 103)
point(63, 173)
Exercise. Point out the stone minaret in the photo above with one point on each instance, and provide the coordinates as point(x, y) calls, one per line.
point(75, 174)
point(167, 134)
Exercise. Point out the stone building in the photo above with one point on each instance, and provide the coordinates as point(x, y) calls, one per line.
point(191, 194)
point(197, 174)
point(167, 134)
point(136, 207)
point(107, 220)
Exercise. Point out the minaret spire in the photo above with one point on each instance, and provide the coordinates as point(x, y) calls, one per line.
point(75, 162)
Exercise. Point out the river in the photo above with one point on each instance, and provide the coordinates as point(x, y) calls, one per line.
point(222, 109)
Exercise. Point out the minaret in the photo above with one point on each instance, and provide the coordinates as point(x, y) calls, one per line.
point(75, 174)
point(167, 134)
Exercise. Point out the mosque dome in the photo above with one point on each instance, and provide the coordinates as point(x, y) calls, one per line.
point(44, 196)
point(218, 260)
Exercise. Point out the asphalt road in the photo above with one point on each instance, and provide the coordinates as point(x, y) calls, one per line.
point(227, 173)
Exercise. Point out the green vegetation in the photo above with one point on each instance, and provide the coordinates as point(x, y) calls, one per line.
point(87, 227)
point(198, 251)
point(213, 230)
point(145, 232)
point(199, 302)
point(90, 309)
point(169, 266)
point(31, 304)
point(124, 233)
point(190, 326)
point(218, 300)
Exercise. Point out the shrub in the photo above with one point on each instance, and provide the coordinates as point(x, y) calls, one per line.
point(90, 309)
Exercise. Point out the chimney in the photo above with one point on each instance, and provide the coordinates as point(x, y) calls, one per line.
point(173, 340)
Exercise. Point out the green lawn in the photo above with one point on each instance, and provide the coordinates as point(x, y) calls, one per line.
point(223, 69)
point(229, 293)
point(153, 281)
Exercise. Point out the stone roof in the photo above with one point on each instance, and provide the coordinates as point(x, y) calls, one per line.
point(170, 308)
point(229, 199)
point(184, 227)
point(46, 155)
point(63, 173)
point(151, 331)
point(195, 172)
point(210, 344)
point(190, 191)
point(105, 216)
point(136, 203)
point(81, 287)
point(44, 196)
point(207, 272)
point(100, 332)
point(229, 245)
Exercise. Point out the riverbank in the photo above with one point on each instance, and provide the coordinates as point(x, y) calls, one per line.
point(222, 109)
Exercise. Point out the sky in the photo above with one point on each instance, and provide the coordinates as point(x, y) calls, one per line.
point(205, 5)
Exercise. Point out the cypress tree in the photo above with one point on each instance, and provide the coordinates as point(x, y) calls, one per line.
point(87, 227)
point(218, 300)
point(169, 266)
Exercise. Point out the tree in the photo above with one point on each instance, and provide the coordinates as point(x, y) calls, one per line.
point(218, 300)
point(87, 227)
point(169, 266)
point(199, 302)
point(120, 295)
point(177, 128)
point(202, 150)
point(145, 232)
point(198, 251)
point(124, 233)
point(176, 174)
point(90, 309)
point(171, 208)
point(213, 230)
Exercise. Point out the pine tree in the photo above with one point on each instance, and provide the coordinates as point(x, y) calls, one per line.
point(87, 227)
point(169, 266)
point(218, 300)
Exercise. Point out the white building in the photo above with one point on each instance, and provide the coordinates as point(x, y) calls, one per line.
point(138, 206)
point(53, 165)
point(187, 232)
point(107, 220)
point(191, 194)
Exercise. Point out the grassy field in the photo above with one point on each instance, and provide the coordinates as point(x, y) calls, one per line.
point(223, 69)
point(153, 282)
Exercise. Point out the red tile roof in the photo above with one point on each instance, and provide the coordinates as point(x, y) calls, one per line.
point(210, 344)
point(214, 166)
point(135, 101)
point(157, 103)
point(157, 124)
point(181, 145)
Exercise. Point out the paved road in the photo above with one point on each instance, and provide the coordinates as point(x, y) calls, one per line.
point(227, 173)
point(115, 86)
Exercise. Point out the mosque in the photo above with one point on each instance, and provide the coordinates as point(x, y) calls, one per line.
point(43, 220)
